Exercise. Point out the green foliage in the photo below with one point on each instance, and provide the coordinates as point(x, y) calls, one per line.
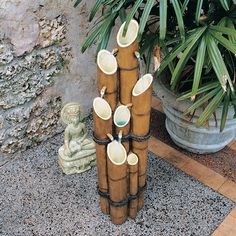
point(197, 40)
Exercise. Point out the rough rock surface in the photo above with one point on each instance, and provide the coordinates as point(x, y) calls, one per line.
point(41, 68)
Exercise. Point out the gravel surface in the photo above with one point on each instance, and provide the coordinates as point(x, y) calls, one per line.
point(36, 198)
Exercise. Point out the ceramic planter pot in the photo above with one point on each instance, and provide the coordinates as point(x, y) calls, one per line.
point(183, 131)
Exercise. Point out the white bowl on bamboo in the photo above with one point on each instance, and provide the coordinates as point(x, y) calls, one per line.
point(132, 159)
point(131, 35)
point(142, 85)
point(106, 62)
point(116, 153)
point(121, 116)
point(102, 108)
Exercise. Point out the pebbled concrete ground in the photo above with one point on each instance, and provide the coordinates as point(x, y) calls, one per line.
point(36, 198)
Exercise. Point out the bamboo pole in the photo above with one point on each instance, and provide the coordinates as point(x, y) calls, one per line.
point(117, 180)
point(127, 60)
point(121, 120)
point(132, 160)
point(141, 100)
point(102, 116)
point(107, 76)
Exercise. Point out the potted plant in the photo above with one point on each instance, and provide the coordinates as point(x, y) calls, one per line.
point(196, 77)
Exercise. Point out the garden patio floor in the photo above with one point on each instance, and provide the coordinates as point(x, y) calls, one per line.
point(183, 197)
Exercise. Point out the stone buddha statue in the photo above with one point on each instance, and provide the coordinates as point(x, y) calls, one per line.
point(78, 153)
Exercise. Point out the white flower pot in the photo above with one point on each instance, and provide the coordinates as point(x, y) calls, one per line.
point(182, 129)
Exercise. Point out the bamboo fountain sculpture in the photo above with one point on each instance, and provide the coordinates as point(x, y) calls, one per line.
point(122, 112)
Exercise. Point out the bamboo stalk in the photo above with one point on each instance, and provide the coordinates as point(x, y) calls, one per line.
point(132, 160)
point(141, 150)
point(102, 116)
point(107, 76)
point(127, 61)
point(141, 100)
point(127, 82)
point(117, 180)
point(121, 120)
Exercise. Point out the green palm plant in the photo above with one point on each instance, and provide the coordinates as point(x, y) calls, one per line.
point(197, 40)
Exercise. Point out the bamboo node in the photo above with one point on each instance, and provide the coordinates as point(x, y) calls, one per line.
point(129, 69)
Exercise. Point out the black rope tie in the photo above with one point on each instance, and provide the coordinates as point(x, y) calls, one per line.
point(103, 194)
point(124, 138)
point(100, 141)
point(122, 203)
point(118, 204)
point(141, 138)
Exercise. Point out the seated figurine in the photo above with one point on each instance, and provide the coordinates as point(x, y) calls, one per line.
point(78, 153)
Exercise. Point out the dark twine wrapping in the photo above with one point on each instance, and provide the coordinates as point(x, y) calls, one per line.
point(124, 138)
point(122, 203)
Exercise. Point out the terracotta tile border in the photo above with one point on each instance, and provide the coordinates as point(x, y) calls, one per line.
point(201, 173)
point(232, 145)
point(227, 227)
point(193, 168)
point(156, 104)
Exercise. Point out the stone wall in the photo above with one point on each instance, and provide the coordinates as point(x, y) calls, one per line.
point(41, 68)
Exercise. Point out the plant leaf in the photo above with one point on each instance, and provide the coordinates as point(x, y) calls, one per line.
point(99, 31)
point(131, 15)
point(223, 30)
point(198, 11)
point(77, 2)
point(211, 107)
point(199, 65)
point(203, 89)
point(144, 17)
point(91, 38)
point(230, 24)
point(179, 17)
point(174, 52)
point(218, 63)
point(163, 19)
point(224, 4)
point(202, 100)
point(225, 42)
point(184, 6)
point(165, 52)
point(94, 9)
point(225, 110)
point(104, 39)
point(184, 58)
point(122, 14)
